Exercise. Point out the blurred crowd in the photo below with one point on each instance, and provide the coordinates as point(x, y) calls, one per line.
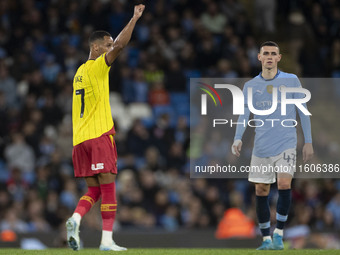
point(42, 43)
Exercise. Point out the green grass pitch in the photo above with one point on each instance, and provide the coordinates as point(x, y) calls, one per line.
point(167, 252)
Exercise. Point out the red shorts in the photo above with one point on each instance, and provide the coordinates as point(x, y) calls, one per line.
point(98, 155)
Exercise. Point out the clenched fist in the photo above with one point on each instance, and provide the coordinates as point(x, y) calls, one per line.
point(138, 10)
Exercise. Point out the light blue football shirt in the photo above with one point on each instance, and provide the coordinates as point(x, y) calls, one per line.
point(273, 138)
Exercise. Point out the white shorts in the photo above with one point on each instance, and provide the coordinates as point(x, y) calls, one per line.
point(264, 170)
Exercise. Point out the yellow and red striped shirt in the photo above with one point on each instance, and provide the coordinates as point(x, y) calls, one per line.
point(91, 111)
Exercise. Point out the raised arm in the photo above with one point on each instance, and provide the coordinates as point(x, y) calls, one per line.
point(125, 35)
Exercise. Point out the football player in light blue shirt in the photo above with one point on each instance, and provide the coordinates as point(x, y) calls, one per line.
point(275, 140)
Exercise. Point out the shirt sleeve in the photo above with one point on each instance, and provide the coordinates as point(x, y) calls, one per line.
point(305, 119)
point(242, 119)
point(100, 65)
point(298, 85)
point(242, 124)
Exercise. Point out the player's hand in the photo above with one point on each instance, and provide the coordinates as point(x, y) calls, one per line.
point(138, 10)
point(236, 147)
point(307, 152)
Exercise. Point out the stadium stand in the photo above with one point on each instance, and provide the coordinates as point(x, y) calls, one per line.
point(42, 43)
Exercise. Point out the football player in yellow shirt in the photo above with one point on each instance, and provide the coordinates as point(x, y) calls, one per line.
point(94, 152)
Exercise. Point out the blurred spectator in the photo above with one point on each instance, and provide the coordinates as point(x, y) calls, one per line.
point(265, 15)
point(174, 41)
point(117, 18)
point(224, 69)
point(149, 187)
point(153, 160)
point(5, 202)
point(19, 154)
point(68, 197)
point(176, 156)
point(139, 86)
point(53, 210)
point(212, 19)
point(170, 219)
point(208, 54)
point(3, 114)
point(64, 99)
point(152, 73)
point(175, 80)
point(333, 208)
point(16, 185)
point(336, 58)
point(188, 56)
point(52, 114)
point(158, 95)
point(162, 134)
point(36, 222)
point(64, 142)
point(8, 86)
point(138, 139)
point(50, 69)
point(11, 221)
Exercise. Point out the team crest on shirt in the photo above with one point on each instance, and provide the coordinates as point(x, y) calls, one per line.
point(78, 78)
point(270, 89)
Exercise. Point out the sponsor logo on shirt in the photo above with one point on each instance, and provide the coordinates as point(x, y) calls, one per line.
point(97, 166)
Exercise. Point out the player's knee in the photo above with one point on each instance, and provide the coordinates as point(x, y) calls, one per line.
point(105, 178)
point(283, 185)
point(262, 189)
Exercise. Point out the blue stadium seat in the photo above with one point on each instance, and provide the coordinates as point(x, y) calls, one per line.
point(4, 172)
point(176, 98)
point(120, 163)
point(148, 122)
point(180, 103)
point(336, 74)
point(191, 74)
point(183, 109)
point(139, 162)
point(133, 57)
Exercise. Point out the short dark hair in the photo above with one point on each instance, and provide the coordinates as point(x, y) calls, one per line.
point(269, 43)
point(98, 35)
